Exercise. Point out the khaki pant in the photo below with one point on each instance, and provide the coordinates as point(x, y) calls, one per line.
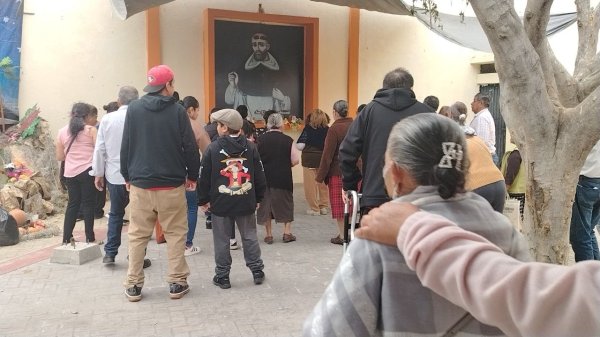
point(170, 208)
point(317, 194)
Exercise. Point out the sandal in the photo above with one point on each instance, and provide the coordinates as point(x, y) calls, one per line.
point(337, 240)
point(269, 240)
point(288, 238)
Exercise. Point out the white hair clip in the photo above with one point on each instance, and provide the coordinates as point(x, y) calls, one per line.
point(452, 151)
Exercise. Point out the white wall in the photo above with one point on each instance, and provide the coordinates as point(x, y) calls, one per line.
point(74, 50)
point(77, 50)
point(439, 67)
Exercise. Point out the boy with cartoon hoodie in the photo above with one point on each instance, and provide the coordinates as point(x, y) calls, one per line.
point(232, 183)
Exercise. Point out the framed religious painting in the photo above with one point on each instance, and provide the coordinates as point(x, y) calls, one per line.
point(263, 61)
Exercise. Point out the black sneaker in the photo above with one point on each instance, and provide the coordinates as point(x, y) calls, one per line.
point(147, 262)
point(259, 276)
point(176, 290)
point(222, 282)
point(108, 259)
point(134, 293)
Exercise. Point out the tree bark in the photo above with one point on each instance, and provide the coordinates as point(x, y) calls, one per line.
point(553, 127)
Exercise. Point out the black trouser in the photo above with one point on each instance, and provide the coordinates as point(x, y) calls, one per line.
point(82, 193)
point(99, 205)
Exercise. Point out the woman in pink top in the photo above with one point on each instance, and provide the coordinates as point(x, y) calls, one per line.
point(75, 145)
point(522, 299)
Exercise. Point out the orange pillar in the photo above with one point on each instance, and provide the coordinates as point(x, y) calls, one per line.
point(153, 37)
point(353, 47)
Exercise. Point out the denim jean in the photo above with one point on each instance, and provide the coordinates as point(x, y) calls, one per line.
point(192, 215)
point(119, 199)
point(585, 216)
point(495, 158)
point(82, 193)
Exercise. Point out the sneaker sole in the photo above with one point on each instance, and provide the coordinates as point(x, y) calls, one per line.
point(133, 298)
point(222, 286)
point(179, 295)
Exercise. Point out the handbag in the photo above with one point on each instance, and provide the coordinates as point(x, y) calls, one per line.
point(63, 179)
point(512, 212)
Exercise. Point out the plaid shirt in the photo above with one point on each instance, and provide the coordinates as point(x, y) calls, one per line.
point(374, 293)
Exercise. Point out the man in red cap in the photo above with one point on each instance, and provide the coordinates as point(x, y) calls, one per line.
point(159, 161)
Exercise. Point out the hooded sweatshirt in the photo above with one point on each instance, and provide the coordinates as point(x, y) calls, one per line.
point(159, 148)
point(367, 138)
point(232, 177)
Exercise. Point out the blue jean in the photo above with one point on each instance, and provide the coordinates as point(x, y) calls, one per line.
point(192, 215)
point(585, 216)
point(119, 199)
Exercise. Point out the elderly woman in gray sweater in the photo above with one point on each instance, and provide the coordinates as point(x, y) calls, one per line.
point(373, 292)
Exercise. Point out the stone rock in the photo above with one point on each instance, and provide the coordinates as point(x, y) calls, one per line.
point(43, 186)
point(21, 184)
point(32, 188)
point(11, 197)
point(48, 207)
point(34, 205)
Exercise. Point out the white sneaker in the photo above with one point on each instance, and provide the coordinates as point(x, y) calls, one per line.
point(191, 250)
point(233, 245)
point(324, 211)
point(311, 212)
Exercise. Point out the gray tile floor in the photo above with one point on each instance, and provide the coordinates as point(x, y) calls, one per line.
point(45, 299)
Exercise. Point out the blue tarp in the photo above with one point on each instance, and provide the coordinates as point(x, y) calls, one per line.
point(11, 24)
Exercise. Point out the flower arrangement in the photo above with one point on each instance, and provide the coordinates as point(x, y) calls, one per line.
point(294, 122)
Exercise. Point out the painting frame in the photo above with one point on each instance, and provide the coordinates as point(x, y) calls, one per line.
point(310, 28)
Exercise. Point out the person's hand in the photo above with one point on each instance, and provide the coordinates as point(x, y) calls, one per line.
point(127, 186)
point(257, 205)
point(99, 182)
point(278, 95)
point(233, 78)
point(382, 224)
point(190, 185)
point(345, 197)
point(204, 208)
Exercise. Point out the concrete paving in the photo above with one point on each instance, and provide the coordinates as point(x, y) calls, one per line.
point(47, 299)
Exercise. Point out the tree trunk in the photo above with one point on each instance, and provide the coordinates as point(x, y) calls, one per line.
point(550, 192)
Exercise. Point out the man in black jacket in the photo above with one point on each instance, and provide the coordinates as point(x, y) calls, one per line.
point(368, 134)
point(159, 161)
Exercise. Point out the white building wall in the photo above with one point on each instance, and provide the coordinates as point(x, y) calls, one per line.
point(77, 50)
point(439, 67)
point(74, 50)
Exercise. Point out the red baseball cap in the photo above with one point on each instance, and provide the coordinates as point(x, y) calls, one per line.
point(158, 77)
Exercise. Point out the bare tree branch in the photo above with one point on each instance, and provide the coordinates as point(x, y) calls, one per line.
point(587, 26)
point(519, 66)
point(586, 111)
point(537, 15)
point(566, 84)
point(592, 79)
